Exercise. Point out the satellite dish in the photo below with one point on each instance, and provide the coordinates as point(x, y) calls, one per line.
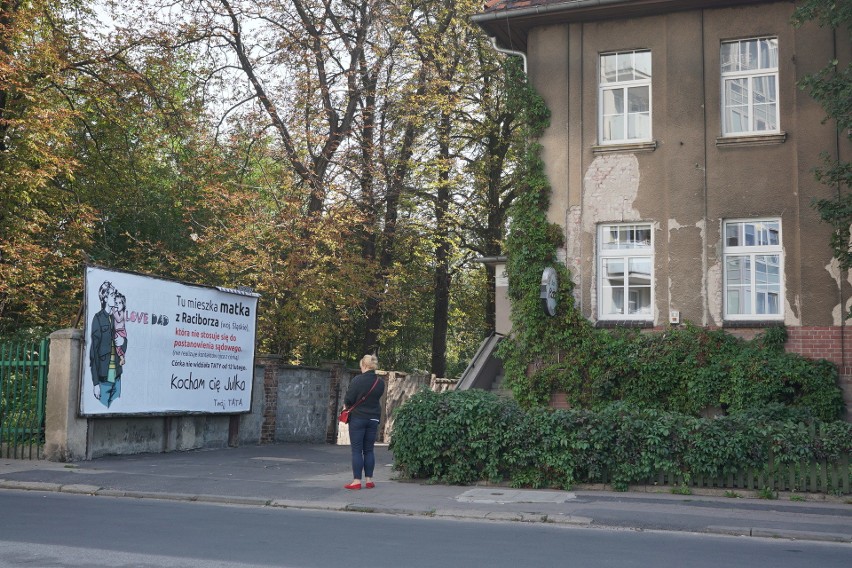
point(549, 290)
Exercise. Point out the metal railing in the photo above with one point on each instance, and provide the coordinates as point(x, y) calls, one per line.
point(23, 394)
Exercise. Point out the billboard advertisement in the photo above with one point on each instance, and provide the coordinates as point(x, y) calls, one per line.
point(154, 346)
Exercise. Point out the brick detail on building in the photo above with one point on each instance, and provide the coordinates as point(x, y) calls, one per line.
point(832, 343)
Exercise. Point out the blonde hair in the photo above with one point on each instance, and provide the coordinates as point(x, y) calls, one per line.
point(370, 362)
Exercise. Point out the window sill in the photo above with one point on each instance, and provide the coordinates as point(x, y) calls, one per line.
point(613, 324)
point(733, 324)
point(625, 147)
point(751, 140)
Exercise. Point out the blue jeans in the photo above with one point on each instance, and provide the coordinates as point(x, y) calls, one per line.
point(110, 391)
point(362, 438)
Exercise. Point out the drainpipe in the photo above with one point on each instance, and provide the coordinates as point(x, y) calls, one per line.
point(520, 54)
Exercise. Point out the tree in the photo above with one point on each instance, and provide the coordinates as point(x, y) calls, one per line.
point(832, 88)
point(324, 152)
point(41, 231)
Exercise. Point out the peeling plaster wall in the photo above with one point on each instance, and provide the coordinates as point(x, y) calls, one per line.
point(610, 187)
point(690, 179)
point(688, 184)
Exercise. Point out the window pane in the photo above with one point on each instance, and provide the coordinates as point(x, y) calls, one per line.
point(738, 285)
point(613, 128)
point(732, 234)
point(642, 61)
point(749, 232)
point(763, 89)
point(612, 294)
point(613, 101)
point(737, 271)
point(733, 303)
point(614, 271)
point(767, 271)
point(764, 97)
point(736, 105)
point(609, 238)
point(625, 66)
point(774, 233)
point(767, 274)
point(638, 99)
point(768, 233)
point(640, 272)
point(768, 55)
point(748, 55)
point(639, 126)
point(608, 69)
point(639, 301)
point(729, 57)
point(764, 117)
point(612, 302)
point(642, 237)
point(626, 237)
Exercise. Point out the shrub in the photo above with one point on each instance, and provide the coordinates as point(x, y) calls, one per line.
point(461, 437)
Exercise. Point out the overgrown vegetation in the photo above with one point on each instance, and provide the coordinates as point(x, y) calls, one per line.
point(831, 86)
point(685, 369)
point(462, 437)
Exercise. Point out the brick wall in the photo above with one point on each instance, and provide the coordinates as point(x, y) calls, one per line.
point(831, 343)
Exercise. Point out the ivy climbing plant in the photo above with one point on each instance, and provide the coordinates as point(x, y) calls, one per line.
point(686, 369)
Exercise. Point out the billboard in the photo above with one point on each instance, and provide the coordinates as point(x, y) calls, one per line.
point(154, 346)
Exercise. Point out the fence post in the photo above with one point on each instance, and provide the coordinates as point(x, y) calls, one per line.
point(64, 432)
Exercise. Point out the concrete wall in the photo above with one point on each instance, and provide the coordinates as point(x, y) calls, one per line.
point(289, 404)
point(70, 437)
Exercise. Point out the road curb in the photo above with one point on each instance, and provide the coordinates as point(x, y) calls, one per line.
point(31, 486)
point(764, 532)
point(446, 513)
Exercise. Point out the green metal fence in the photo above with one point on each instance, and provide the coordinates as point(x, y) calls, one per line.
point(23, 392)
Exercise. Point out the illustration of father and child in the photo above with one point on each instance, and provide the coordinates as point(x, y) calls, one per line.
point(109, 344)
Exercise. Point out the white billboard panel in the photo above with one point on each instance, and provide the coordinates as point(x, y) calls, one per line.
point(156, 346)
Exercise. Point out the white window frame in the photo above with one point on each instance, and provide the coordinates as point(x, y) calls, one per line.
point(606, 86)
point(624, 252)
point(745, 69)
point(751, 253)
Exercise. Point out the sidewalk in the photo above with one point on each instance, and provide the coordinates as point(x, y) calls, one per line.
point(312, 477)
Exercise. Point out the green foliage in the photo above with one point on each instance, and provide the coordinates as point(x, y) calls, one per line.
point(462, 437)
point(691, 369)
point(767, 493)
point(831, 87)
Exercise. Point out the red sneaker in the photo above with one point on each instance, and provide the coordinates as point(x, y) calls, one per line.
point(352, 486)
point(370, 485)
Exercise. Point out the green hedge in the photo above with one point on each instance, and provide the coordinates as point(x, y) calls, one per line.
point(462, 437)
point(689, 369)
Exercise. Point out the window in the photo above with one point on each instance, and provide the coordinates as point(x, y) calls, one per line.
point(625, 97)
point(753, 269)
point(750, 86)
point(625, 256)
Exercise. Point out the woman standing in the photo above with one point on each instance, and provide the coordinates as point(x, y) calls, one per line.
point(364, 398)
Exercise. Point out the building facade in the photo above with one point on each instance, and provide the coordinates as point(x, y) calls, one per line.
point(681, 154)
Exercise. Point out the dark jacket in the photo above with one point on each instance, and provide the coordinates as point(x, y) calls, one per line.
point(100, 349)
point(358, 387)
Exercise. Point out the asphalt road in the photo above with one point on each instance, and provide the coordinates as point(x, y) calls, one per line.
point(54, 529)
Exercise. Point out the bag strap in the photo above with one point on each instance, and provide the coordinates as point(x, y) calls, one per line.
point(363, 398)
